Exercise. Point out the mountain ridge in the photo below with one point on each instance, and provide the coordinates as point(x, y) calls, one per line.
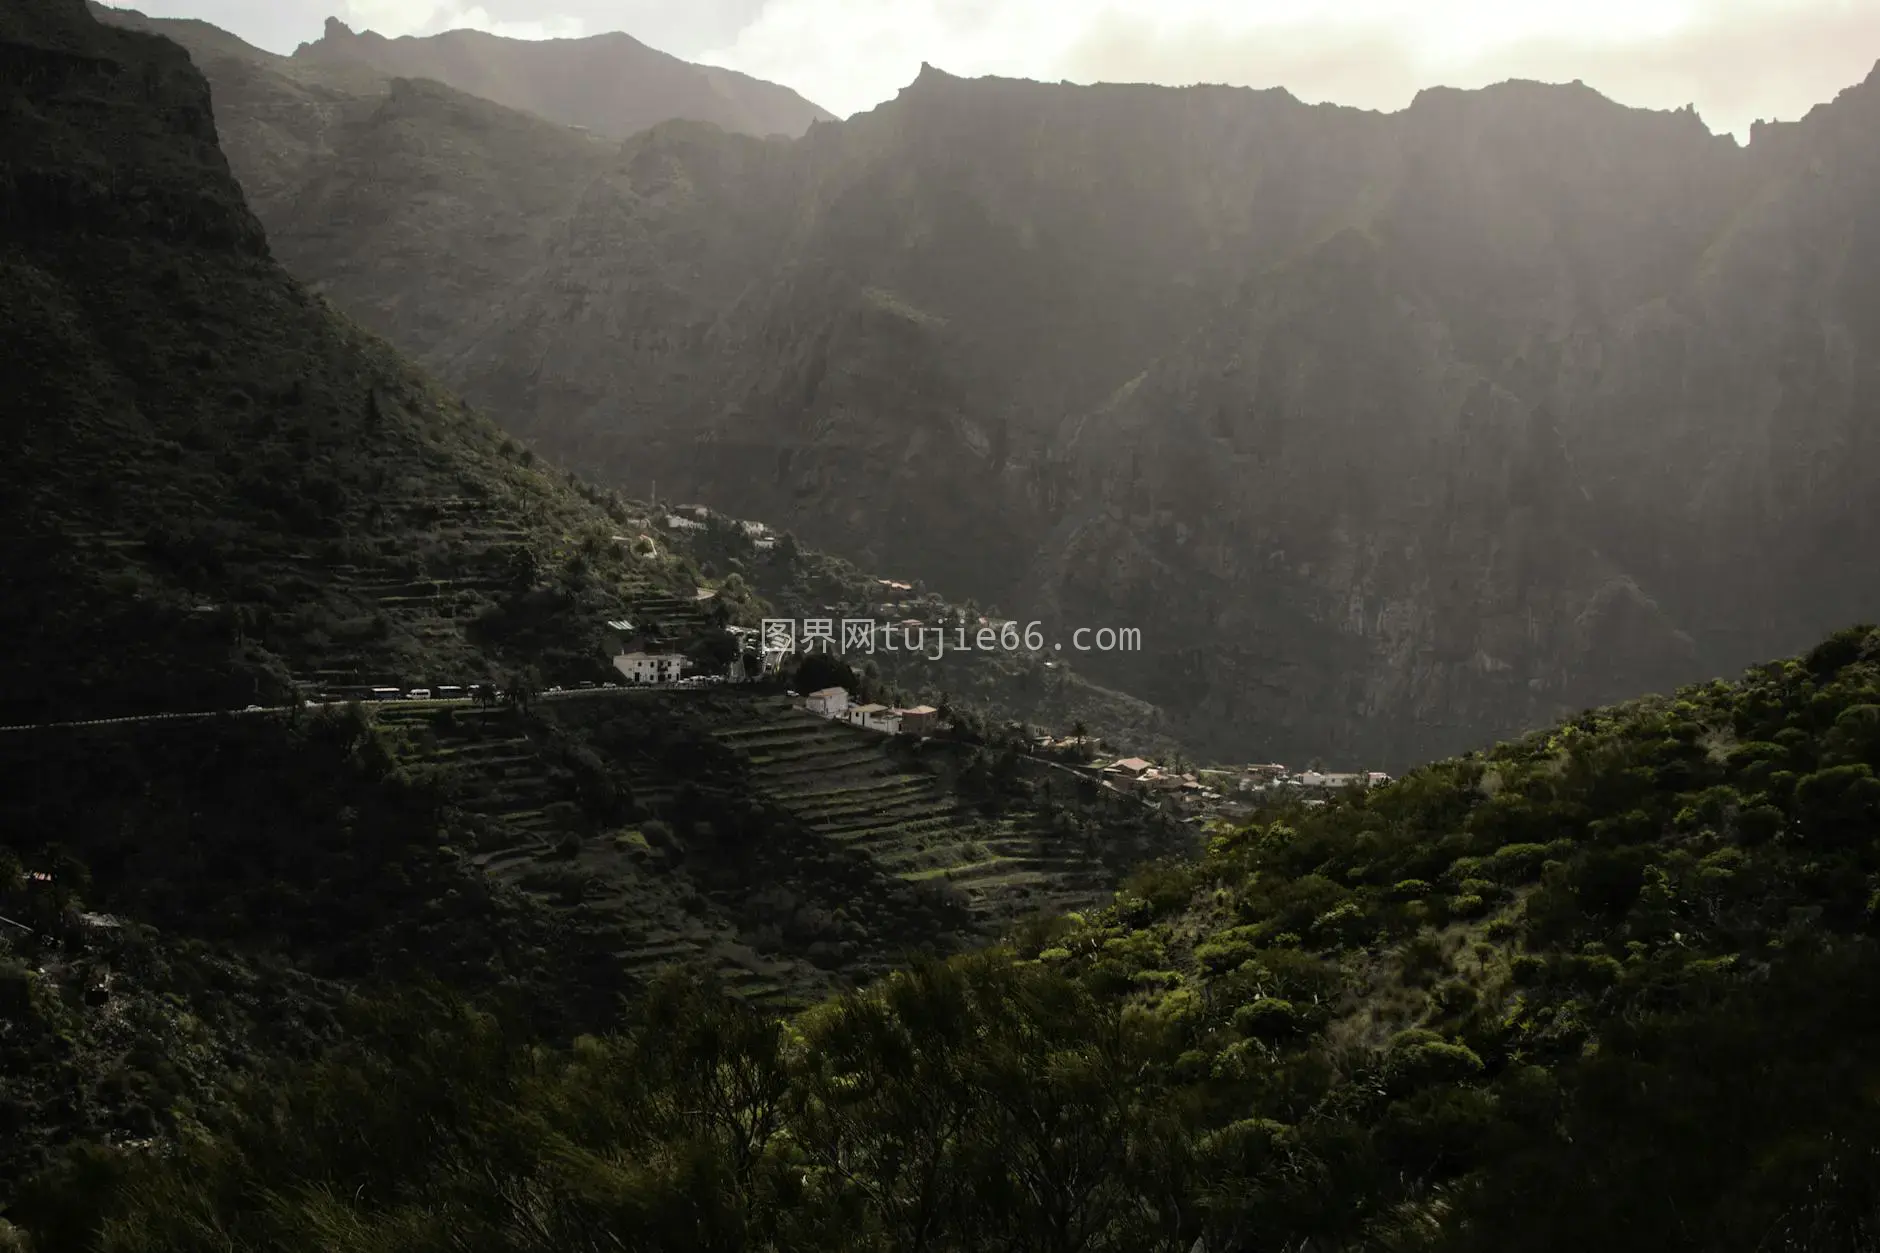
point(951, 356)
point(611, 83)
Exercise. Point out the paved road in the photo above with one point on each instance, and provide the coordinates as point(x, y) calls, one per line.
point(263, 711)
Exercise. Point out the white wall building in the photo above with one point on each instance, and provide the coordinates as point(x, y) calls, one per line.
point(830, 702)
point(875, 718)
point(650, 667)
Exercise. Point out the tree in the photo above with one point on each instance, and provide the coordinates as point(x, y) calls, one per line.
point(522, 688)
point(815, 671)
point(523, 569)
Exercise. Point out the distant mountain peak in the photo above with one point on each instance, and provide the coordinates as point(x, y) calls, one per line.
point(932, 75)
point(610, 83)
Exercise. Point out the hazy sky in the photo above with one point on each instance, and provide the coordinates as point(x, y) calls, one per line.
point(1736, 60)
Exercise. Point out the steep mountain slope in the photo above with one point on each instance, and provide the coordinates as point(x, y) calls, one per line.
point(612, 84)
point(218, 485)
point(1611, 986)
point(218, 491)
point(1391, 432)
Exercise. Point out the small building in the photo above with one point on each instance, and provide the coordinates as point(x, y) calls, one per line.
point(874, 718)
point(676, 523)
point(1134, 767)
point(640, 667)
point(830, 702)
point(920, 720)
point(1265, 772)
point(1376, 778)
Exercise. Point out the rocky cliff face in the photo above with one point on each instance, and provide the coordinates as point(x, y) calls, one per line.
point(1393, 433)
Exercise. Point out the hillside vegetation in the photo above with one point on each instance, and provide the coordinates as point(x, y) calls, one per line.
point(1610, 986)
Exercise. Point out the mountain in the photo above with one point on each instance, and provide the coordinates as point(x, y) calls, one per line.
point(1610, 986)
point(611, 84)
point(1392, 433)
point(303, 144)
point(219, 486)
point(219, 497)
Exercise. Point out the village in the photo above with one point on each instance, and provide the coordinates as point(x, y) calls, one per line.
point(1206, 791)
point(1216, 790)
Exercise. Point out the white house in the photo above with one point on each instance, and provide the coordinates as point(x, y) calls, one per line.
point(830, 702)
point(875, 718)
point(650, 667)
point(676, 523)
point(920, 720)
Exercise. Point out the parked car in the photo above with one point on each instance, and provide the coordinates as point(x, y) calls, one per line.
point(418, 693)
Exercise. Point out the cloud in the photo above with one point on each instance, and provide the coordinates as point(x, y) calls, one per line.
point(849, 55)
point(1736, 60)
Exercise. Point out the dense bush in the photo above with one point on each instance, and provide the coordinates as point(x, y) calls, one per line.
point(1656, 1030)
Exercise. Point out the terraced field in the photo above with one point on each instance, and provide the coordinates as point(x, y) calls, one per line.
point(417, 608)
point(790, 853)
point(847, 786)
point(531, 833)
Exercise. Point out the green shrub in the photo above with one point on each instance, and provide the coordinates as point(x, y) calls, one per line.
point(1268, 1018)
point(1421, 1062)
point(1528, 970)
point(1470, 906)
point(1514, 863)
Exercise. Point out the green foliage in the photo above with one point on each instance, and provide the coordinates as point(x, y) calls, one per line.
point(1292, 1041)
